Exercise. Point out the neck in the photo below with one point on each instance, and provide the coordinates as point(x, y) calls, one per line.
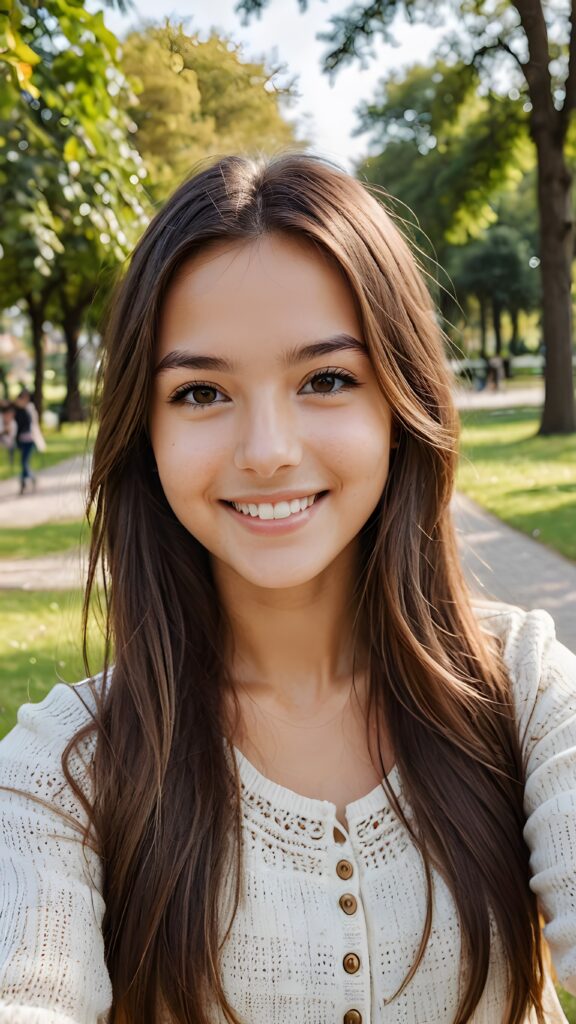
point(293, 647)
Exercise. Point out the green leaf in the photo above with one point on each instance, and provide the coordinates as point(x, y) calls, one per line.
point(72, 150)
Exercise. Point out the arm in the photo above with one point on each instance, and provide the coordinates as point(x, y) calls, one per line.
point(35, 430)
point(52, 967)
point(544, 674)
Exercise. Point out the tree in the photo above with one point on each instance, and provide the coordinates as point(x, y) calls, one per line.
point(197, 99)
point(438, 138)
point(495, 269)
point(28, 239)
point(33, 37)
point(71, 196)
point(533, 46)
point(446, 150)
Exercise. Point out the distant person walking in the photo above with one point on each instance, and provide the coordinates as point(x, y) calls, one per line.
point(28, 436)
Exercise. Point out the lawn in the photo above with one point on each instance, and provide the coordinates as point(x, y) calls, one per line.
point(47, 539)
point(61, 444)
point(39, 645)
point(568, 1005)
point(525, 480)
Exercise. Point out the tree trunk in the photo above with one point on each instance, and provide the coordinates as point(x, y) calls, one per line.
point(73, 411)
point(482, 305)
point(514, 314)
point(497, 322)
point(556, 245)
point(549, 128)
point(36, 315)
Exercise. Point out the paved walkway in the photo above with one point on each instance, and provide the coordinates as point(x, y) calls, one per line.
point(505, 564)
point(500, 562)
point(505, 398)
point(58, 496)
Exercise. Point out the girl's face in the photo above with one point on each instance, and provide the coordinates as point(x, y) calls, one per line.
point(264, 396)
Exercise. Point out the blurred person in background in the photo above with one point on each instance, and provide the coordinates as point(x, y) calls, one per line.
point(28, 436)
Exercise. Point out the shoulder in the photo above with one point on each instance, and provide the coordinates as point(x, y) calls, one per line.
point(62, 712)
point(542, 671)
point(52, 956)
point(31, 753)
point(523, 634)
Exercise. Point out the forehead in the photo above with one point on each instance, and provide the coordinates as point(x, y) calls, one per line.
point(276, 289)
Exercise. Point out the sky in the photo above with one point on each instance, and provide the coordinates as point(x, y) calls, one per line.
point(325, 110)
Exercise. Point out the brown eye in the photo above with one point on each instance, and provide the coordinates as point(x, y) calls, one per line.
point(198, 395)
point(203, 396)
point(323, 384)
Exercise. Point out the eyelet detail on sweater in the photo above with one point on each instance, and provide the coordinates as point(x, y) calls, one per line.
point(382, 838)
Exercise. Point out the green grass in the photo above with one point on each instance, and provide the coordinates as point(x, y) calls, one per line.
point(40, 644)
point(47, 539)
point(568, 1005)
point(526, 380)
point(60, 444)
point(525, 480)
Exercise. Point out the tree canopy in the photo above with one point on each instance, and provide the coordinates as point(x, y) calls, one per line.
point(199, 98)
point(473, 211)
point(83, 157)
point(71, 191)
point(445, 149)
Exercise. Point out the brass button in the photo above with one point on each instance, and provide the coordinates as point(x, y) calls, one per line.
point(344, 869)
point(348, 903)
point(352, 1017)
point(351, 963)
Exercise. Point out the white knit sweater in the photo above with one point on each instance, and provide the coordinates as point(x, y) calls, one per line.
point(288, 958)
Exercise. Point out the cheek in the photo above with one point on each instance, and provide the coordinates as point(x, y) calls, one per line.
point(187, 459)
point(359, 447)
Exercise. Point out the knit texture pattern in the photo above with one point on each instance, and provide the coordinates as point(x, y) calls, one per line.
point(288, 955)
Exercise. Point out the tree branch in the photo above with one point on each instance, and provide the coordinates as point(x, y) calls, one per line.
point(500, 44)
point(356, 28)
point(536, 69)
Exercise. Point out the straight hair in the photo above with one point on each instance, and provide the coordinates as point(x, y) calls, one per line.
point(165, 804)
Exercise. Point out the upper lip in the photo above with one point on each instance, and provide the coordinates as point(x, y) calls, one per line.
point(272, 499)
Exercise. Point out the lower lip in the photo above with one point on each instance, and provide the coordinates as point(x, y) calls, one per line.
point(276, 526)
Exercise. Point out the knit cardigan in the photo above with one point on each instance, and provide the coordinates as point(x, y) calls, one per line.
point(326, 930)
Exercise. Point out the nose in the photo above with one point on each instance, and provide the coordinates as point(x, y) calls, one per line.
point(268, 437)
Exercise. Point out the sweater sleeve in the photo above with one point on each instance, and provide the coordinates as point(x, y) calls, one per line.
point(544, 676)
point(52, 966)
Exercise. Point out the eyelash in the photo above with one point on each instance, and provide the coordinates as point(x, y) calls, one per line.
point(347, 378)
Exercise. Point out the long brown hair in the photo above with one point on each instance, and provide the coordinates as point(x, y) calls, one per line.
point(165, 807)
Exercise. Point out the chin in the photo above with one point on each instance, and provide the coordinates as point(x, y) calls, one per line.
point(275, 578)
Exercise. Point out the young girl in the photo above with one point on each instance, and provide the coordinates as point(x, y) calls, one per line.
point(320, 785)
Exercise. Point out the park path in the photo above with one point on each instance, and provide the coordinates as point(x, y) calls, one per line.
point(504, 398)
point(500, 562)
point(506, 565)
point(58, 497)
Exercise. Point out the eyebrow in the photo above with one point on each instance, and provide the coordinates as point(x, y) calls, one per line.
point(179, 359)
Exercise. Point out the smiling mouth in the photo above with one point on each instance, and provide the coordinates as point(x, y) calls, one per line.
point(277, 510)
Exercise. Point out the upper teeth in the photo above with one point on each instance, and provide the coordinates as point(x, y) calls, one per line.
point(280, 510)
